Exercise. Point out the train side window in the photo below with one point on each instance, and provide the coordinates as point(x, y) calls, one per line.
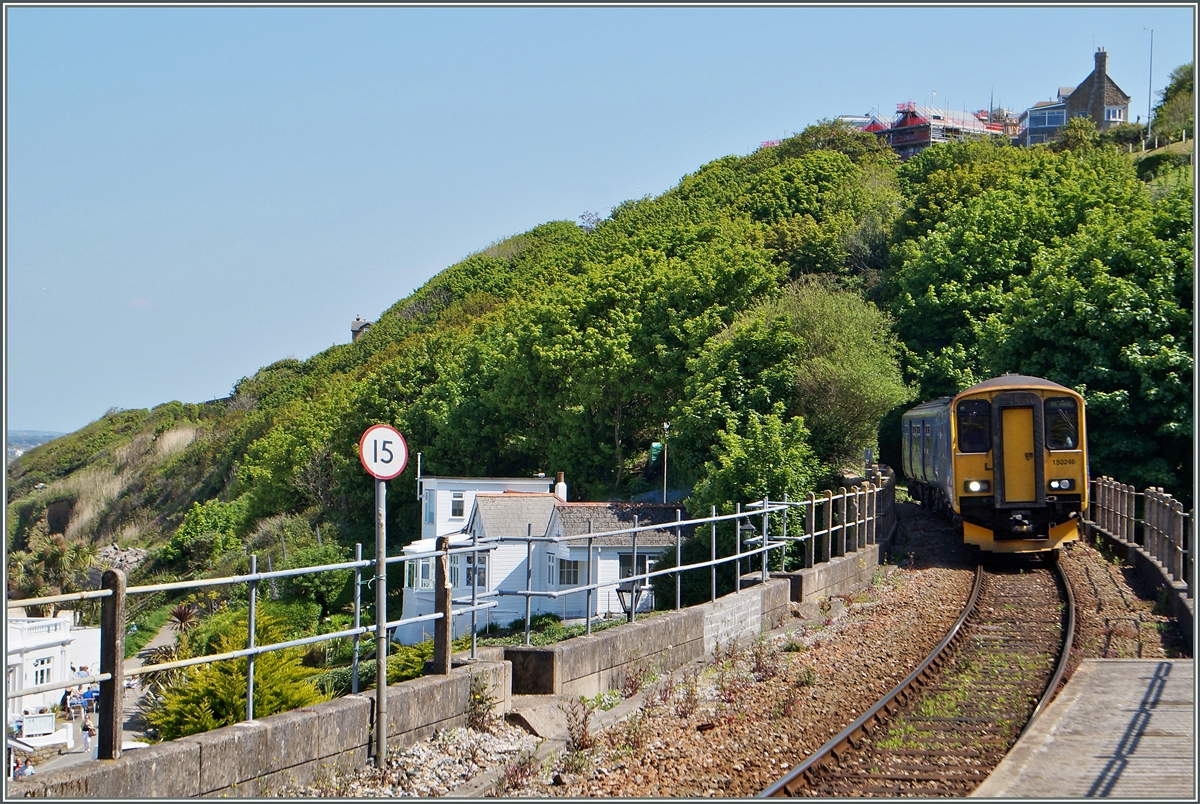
point(974, 425)
point(1062, 423)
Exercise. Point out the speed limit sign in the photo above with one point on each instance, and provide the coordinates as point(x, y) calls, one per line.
point(383, 452)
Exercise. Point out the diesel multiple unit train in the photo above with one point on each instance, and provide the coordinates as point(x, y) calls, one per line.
point(1006, 459)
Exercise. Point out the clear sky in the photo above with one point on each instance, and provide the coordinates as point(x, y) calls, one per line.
point(193, 193)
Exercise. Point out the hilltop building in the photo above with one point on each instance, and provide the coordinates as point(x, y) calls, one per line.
point(357, 327)
point(1098, 98)
point(917, 127)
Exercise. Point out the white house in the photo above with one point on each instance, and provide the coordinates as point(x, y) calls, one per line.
point(42, 650)
point(446, 502)
point(517, 514)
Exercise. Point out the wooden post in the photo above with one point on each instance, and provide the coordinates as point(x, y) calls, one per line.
point(441, 600)
point(112, 661)
point(1176, 540)
point(841, 521)
point(810, 528)
point(827, 548)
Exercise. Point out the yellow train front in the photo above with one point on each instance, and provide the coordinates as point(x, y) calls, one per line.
point(1005, 458)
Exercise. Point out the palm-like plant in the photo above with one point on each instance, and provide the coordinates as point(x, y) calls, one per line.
point(183, 617)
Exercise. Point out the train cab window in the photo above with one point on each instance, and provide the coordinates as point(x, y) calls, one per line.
point(1062, 423)
point(974, 425)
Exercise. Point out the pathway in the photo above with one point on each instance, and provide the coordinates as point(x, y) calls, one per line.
point(132, 708)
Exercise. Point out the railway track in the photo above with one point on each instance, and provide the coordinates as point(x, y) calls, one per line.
point(942, 730)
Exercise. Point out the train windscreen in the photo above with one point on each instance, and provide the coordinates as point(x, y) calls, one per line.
point(1062, 423)
point(974, 425)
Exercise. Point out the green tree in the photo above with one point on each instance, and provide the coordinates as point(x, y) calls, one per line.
point(1175, 112)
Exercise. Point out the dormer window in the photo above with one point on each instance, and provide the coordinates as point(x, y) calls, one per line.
point(1114, 113)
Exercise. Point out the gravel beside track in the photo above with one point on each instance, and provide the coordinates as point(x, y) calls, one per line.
point(746, 717)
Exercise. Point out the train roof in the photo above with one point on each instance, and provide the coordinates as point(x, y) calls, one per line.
point(1014, 381)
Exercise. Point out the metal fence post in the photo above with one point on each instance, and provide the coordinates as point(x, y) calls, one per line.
point(528, 577)
point(590, 580)
point(713, 547)
point(112, 661)
point(678, 558)
point(765, 552)
point(783, 550)
point(474, 594)
point(380, 624)
point(737, 539)
point(357, 617)
point(252, 594)
point(636, 581)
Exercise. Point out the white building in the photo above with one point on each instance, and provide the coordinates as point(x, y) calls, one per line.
point(515, 513)
point(41, 650)
point(446, 502)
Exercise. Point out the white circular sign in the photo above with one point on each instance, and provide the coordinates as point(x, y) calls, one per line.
point(383, 452)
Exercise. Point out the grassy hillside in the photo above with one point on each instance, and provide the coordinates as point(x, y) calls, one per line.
point(775, 308)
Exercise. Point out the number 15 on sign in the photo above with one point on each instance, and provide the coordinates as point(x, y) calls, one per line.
point(383, 452)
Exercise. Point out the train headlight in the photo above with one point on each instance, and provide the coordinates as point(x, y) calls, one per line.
point(977, 486)
point(1062, 485)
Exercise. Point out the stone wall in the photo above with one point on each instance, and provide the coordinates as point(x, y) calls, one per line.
point(839, 576)
point(590, 665)
point(261, 757)
point(1155, 575)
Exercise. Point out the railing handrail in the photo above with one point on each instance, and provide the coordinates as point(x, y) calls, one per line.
point(853, 520)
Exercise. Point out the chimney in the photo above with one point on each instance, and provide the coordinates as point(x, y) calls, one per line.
point(560, 487)
point(1099, 87)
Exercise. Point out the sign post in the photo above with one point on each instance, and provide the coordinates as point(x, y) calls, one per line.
point(383, 454)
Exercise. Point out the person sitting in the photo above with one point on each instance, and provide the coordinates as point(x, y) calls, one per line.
point(24, 771)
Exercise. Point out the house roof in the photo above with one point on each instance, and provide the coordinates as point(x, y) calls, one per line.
point(511, 513)
point(965, 120)
point(609, 516)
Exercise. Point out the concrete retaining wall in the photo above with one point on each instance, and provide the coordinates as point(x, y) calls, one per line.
point(841, 575)
point(592, 665)
point(260, 757)
point(1155, 575)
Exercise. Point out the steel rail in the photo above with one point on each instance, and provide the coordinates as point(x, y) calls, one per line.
point(886, 705)
point(1063, 657)
point(791, 783)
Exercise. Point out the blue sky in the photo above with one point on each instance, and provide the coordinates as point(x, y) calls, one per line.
point(193, 193)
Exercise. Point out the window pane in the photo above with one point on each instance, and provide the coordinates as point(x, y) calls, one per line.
point(1062, 423)
point(974, 425)
point(456, 504)
point(429, 497)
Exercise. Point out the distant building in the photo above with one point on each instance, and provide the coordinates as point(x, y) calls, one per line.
point(357, 327)
point(1097, 97)
point(869, 122)
point(917, 127)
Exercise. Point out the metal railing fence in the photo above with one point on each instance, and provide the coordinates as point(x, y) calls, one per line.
point(830, 525)
point(1151, 519)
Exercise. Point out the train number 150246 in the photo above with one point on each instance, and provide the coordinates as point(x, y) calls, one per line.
point(1064, 461)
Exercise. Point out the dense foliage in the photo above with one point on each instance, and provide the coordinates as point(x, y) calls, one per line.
point(774, 308)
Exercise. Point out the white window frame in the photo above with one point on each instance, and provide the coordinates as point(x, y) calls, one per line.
point(1114, 114)
point(458, 504)
point(430, 506)
point(425, 573)
point(550, 568)
point(41, 670)
point(568, 572)
point(483, 566)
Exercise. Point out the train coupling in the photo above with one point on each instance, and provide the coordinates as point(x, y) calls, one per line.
point(1020, 522)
